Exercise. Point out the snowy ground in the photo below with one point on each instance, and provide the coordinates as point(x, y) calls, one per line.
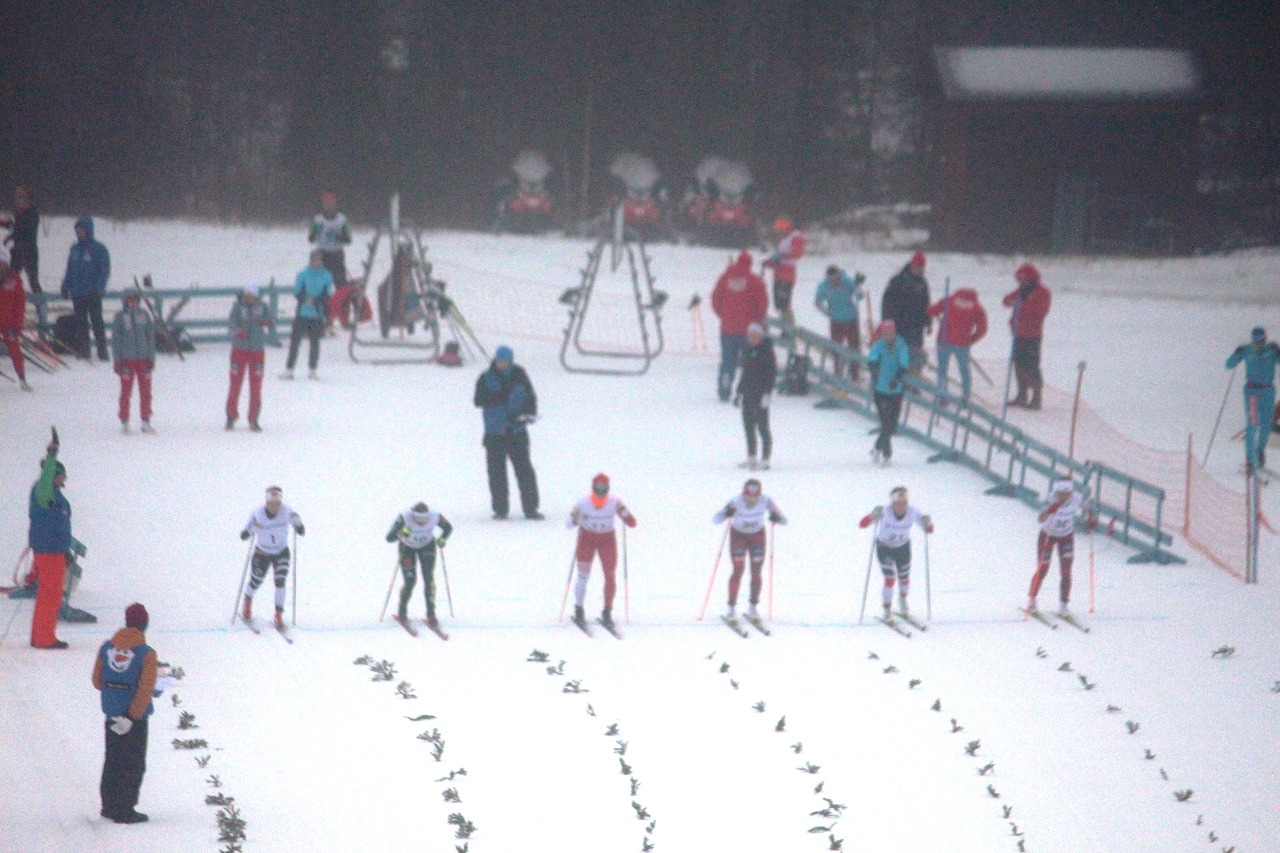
point(319, 757)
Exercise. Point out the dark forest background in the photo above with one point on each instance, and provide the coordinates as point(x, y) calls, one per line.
point(247, 109)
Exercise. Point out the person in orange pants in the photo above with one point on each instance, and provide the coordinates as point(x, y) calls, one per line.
point(49, 537)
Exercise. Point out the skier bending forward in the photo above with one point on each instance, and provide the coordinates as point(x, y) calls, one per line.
point(1057, 527)
point(415, 530)
point(747, 513)
point(270, 525)
point(893, 544)
point(594, 517)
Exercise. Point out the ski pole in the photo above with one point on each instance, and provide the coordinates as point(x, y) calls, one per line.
point(235, 608)
point(1091, 573)
point(1221, 409)
point(626, 589)
point(928, 590)
point(395, 569)
point(773, 535)
point(564, 602)
point(866, 586)
point(293, 618)
point(444, 570)
point(715, 568)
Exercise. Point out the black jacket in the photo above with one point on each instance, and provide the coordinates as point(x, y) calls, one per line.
point(906, 303)
point(759, 371)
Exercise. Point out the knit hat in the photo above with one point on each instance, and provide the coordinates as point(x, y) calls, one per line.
point(751, 488)
point(888, 326)
point(329, 198)
point(782, 224)
point(135, 616)
point(1027, 273)
point(1259, 334)
point(601, 479)
point(917, 260)
point(504, 353)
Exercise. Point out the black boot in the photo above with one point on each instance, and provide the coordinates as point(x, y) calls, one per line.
point(1034, 403)
point(579, 615)
point(606, 618)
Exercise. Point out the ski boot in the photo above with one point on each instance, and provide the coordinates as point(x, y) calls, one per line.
point(124, 427)
point(279, 618)
point(752, 613)
point(231, 423)
point(1019, 402)
point(888, 612)
point(246, 612)
point(1034, 403)
point(253, 426)
point(579, 614)
point(311, 374)
point(606, 619)
point(148, 428)
point(764, 463)
point(1031, 605)
point(432, 622)
point(22, 383)
point(1064, 611)
point(750, 464)
point(902, 606)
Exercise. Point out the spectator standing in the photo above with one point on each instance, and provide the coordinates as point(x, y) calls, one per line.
point(783, 263)
point(906, 303)
point(49, 537)
point(126, 673)
point(963, 324)
point(88, 269)
point(331, 232)
point(506, 395)
point(133, 344)
point(1030, 302)
point(248, 324)
point(889, 360)
point(755, 391)
point(24, 228)
point(313, 288)
point(739, 299)
point(837, 298)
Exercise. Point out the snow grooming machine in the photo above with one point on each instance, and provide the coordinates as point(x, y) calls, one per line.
point(408, 300)
point(648, 303)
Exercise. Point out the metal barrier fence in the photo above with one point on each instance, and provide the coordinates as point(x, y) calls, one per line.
point(205, 323)
point(1129, 509)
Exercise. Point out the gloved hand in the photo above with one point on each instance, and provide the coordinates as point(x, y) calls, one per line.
point(928, 526)
point(859, 278)
point(244, 535)
point(121, 725)
point(866, 520)
point(395, 534)
point(302, 530)
point(777, 518)
point(440, 541)
point(526, 419)
point(729, 510)
point(629, 520)
point(764, 401)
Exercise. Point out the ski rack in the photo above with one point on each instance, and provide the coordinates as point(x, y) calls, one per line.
point(410, 276)
point(623, 245)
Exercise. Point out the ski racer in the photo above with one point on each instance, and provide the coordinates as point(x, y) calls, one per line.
point(747, 513)
point(415, 530)
point(330, 231)
point(893, 545)
point(1057, 529)
point(1260, 361)
point(270, 524)
point(594, 516)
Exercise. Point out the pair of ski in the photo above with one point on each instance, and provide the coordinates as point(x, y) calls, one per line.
point(895, 622)
point(753, 621)
point(413, 632)
point(611, 627)
point(280, 629)
point(1053, 621)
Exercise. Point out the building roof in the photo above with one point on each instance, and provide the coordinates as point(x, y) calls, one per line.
point(1066, 73)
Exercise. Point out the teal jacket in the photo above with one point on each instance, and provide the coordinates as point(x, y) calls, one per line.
point(313, 287)
point(889, 364)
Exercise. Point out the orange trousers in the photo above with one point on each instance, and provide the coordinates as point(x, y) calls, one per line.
point(51, 569)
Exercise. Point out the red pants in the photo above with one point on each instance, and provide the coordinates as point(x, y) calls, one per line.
point(50, 571)
point(253, 361)
point(12, 341)
point(740, 546)
point(128, 369)
point(1044, 555)
point(606, 545)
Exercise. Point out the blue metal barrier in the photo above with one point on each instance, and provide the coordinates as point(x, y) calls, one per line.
point(962, 432)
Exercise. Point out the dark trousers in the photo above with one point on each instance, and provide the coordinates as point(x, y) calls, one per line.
point(311, 328)
point(889, 406)
point(756, 418)
point(499, 448)
point(27, 259)
point(847, 334)
point(1026, 365)
point(426, 557)
point(336, 264)
point(731, 347)
point(122, 768)
point(89, 310)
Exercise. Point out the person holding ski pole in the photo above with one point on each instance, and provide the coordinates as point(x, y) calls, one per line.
point(893, 545)
point(1057, 529)
point(133, 347)
point(1260, 359)
point(415, 530)
point(594, 516)
point(270, 524)
point(748, 513)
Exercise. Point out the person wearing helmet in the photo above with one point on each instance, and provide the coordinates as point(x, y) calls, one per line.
point(415, 530)
point(1057, 530)
point(1030, 302)
point(893, 545)
point(269, 525)
point(1260, 358)
point(747, 512)
point(13, 313)
point(783, 263)
point(331, 232)
point(595, 517)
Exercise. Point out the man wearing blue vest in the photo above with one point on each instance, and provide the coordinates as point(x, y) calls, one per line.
point(1260, 359)
point(125, 671)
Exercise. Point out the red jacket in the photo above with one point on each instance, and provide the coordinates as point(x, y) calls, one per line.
point(783, 261)
point(966, 322)
point(13, 301)
point(740, 297)
point(1033, 306)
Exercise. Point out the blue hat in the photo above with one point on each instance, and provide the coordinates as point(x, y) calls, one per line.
point(503, 353)
point(1259, 334)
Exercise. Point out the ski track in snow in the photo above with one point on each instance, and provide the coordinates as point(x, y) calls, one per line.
point(320, 757)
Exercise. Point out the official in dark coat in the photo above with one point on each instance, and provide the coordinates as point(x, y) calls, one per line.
point(510, 405)
point(755, 391)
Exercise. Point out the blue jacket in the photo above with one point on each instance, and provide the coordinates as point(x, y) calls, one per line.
point(888, 364)
point(1259, 364)
point(313, 287)
point(839, 301)
point(50, 514)
point(88, 265)
point(505, 396)
point(120, 668)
